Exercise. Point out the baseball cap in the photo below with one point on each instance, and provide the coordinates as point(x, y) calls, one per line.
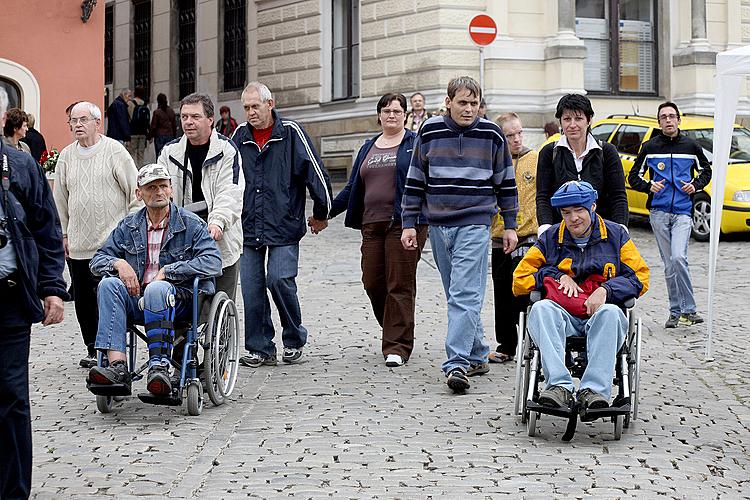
point(152, 172)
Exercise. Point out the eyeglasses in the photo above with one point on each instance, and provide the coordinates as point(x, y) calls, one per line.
point(83, 121)
point(668, 117)
point(394, 112)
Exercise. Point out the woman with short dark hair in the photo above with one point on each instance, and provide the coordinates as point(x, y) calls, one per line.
point(16, 125)
point(372, 201)
point(226, 125)
point(578, 155)
point(163, 124)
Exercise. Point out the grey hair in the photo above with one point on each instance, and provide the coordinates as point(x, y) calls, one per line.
point(263, 92)
point(31, 120)
point(203, 99)
point(464, 82)
point(125, 91)
point(92, 108)
point(4, 100)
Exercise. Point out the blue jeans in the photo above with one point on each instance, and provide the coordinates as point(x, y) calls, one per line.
point(550, 325)
point(279, 277)
point(672, 234)
point(461, 257)
point(117, 308)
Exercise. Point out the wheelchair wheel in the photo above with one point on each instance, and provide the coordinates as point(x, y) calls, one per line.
point(635, 369)
point(104, 404)
point(194, 399)
point(619, 420)
point(518, 386)
point(222, 349)
point(531, 424)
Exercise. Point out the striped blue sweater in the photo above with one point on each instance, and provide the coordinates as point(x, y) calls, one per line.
point(462, 174)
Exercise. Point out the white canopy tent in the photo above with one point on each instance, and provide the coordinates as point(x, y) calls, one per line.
point(732, 67)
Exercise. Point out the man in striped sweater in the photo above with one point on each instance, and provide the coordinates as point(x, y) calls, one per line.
point(460, 172)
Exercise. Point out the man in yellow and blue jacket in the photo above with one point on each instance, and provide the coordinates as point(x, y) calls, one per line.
point(580, 246)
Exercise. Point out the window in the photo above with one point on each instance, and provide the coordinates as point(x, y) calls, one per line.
point(628, 139)
point(142, 45)
point(14, 93)
point(186, 46)
point(603, 131)
point(620, 41)
point(739, 150)
point(345, 54)
point(235, 48)
point(109, 29)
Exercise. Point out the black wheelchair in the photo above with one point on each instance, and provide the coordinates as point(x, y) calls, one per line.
point(624, 407)
point(209, 359)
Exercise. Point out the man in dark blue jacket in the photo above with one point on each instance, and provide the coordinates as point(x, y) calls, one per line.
point(32, 289)
point(279, 163)
point(677, 169)
point(118, 127)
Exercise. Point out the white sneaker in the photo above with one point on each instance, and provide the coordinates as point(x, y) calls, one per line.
point(393, 360)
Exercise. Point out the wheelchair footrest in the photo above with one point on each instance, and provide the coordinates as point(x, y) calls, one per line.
point(109, 389)
point(547, 410)
point(610, 411)
point(152, 399)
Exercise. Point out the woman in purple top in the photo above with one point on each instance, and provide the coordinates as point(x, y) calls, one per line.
point(372, 201)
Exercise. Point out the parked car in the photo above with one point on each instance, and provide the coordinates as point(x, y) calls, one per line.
point(628, 132)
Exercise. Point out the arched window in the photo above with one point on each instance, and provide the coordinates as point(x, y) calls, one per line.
point(14, 93)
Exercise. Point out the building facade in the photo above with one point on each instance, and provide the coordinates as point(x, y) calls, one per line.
point(328, 61)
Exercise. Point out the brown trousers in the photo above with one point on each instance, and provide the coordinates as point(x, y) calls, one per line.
point(389, 275)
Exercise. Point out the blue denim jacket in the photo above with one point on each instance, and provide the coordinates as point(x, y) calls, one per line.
point(187, 251)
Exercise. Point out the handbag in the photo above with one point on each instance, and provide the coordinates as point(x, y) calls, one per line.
point(574, 305)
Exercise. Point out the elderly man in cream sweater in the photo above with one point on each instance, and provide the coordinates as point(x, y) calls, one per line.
point(94, 189)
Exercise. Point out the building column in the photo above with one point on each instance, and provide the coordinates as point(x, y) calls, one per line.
point(694, 66)
point(564, 55)
point(123, 43)
point(698, 37)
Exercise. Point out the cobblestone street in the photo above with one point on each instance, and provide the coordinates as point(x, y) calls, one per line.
point(341, 424)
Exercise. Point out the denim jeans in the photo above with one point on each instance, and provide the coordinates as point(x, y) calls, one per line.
point(117, 308)
point(672, 234)
point(278, 275)
point(550, 325)
point(461, 256)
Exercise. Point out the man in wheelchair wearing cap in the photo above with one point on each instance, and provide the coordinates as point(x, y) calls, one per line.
point(587, 267)
point(154, 253)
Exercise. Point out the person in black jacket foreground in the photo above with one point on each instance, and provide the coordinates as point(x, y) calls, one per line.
point(677, 168)
point(279, 163)
point(578, 156)
point(32, 289)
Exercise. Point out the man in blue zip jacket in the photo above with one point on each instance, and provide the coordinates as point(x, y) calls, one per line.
point(279, 162)
point(32, 290)
point(677, 169)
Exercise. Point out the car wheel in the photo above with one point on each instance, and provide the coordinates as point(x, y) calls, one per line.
point(701, 217)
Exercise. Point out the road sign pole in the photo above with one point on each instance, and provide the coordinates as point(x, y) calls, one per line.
point(482, 30)
point(481, 68)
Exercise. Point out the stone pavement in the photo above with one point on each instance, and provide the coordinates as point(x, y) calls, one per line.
point(342, 425)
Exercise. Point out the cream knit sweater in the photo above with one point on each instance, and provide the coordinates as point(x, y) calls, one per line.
point(94, 190)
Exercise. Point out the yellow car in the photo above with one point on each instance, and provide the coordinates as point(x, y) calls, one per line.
point(628, 132)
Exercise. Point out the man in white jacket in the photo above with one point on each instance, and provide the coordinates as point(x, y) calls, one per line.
point(205, 166)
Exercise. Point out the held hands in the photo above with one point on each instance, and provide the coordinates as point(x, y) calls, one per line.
point(54, 310)
point(510, 240)
point(569, 286)
point(127, 275)
point(215, 232)
point(688, 187)
point(595, 300)
point(409, 238)
point(316, 225)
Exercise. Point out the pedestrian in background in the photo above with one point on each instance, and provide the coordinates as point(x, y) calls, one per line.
point(14, 129)
point(118, 118)
point(280, 163)
point(226, 124)
point(372, 201)
point(508, 306)
point(34, 139)
point(579, 156)
point(163, 124)
point(550, 129)
point(461, 171)
point(677, 168)
point(140, 125)
point(95, 183)
point(32, 290)
point(418, 114)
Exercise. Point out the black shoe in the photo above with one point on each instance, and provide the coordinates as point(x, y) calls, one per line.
point(592, 400)
point(457, 380)
point(690, 319)
point(556, 396)
point(116, 373)
point(672, 322)
point(159, 383)
point(291, 355)
point(478, 369)
point(89, 361)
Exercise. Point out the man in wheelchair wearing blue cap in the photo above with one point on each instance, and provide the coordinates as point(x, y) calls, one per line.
point(588, 267)
point(150, 261)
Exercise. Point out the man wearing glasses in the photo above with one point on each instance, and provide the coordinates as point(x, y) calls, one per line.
point(671, 168)
point(94, 189)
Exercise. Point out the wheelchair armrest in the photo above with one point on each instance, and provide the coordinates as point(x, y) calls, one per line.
point(629, 304)
point(535, 296)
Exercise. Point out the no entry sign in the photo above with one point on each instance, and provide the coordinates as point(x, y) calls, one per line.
point(482, 30)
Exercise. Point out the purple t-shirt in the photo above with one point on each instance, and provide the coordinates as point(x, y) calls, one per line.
point(378, 173)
